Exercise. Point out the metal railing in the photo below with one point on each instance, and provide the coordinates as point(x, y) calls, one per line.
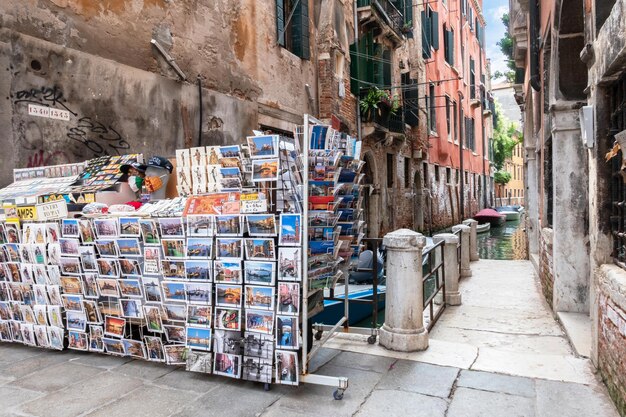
point(393, 17)
point(434, 283)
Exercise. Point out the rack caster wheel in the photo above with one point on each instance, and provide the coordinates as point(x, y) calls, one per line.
point(371, 340)
point(266, 387)
point(318, 335)
point(338, 395)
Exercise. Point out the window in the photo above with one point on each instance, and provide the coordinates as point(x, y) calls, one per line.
point(437, 174)
point(292, 25)
point(448, 45)
point(455, 125)
point(407, 172)
point(425, 174)
point(448, 175)
point(432, 119)
point(472, 79)
point(430, 32)
point(456, 174)
point(469, 133)
point(390, 174)
point(466, 177)
point(448, 118)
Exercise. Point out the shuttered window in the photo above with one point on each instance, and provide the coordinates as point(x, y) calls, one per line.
point(448, 45)
point(292, 26)
point(430, 32)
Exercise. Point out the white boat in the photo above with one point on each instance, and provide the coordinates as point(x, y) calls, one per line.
point(483, 228)
point(509, 212)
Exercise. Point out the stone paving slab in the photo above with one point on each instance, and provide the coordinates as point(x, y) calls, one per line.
point(572, 400)
point(189, 381)
point(54, 378)
point(421, 378)
point(81, 398)
point(143, 370)
point(363, 362)
point(35, 363)
point(13, 396)
point(475, 403)
point(402, 403)
point(513, 385)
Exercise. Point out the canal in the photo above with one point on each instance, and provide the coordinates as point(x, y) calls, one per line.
point(507, 242)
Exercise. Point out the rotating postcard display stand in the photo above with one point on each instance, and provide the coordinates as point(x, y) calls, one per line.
point(178, 286)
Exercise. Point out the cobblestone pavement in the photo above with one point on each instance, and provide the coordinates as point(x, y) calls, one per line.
point(501, 353)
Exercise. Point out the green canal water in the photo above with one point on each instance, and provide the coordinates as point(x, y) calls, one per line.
point(507, 242)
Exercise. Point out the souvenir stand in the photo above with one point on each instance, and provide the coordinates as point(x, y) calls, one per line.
point(213, 279)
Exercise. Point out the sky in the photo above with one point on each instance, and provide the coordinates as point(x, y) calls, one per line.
point(493, 11)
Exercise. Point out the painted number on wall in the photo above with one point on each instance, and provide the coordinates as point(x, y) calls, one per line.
point(47, 112)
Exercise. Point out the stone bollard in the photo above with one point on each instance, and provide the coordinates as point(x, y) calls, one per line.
point(465, 249)
point(451, 267)
point(403, 329)
point(473, 224)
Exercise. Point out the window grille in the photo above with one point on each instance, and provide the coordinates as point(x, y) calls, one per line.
point(618, 188)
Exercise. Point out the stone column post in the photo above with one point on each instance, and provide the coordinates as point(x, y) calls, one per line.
point(473, 224)
point(465, 249)
point(450, 266)
point(403, 329)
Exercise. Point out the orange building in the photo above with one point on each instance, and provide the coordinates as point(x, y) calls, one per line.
point(457, 177)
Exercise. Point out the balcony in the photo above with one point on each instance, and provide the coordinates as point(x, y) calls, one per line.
point(518, 29)
point(384, 14)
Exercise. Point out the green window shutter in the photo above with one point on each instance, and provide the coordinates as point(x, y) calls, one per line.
point(425, 35)
point(386, 67)
point(435, 30)
point(300, 30)
point(280, 21)
point(451, 43)
point(378, 65)
point(408, 12)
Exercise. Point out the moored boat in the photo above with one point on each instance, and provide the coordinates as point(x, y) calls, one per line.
point(483, 228)
point(509, 212)
point(490, 216)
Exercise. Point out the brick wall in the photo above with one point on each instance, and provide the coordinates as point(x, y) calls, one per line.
point(545, 264)
point(612, 333)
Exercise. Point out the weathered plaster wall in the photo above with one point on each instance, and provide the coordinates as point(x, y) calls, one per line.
point(546, 261)
point(115, 109)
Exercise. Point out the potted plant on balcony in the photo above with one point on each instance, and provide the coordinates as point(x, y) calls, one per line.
point(378, 105)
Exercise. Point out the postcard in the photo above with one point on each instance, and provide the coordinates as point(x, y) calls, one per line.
point(174, 248)
point(69, 246)
point(208, 204)
point(287, 331)
point(261, 224)
point(134, 348)
point(287, 370)
point(129, 247)
point(114, 346)
point(131, 308)
point(198, 156)
point(259, 272)
point(288, 298)
point(200, 226)
point(106, 228)
point(175, 334)
point(173, 269)
point(70, 266)
point(228, 271)
point(199, 338)
point(108, 268)
point(69, 228)
point(151, 289)
point(71, 285)
point(227, 319)
point(107, 248)
point(259, 345)
point(92, 312)
point(259, 297)
point(265, 146)
point(290, 264)
point(56, 337)
point(149, 232)
point(290, 233)
point(225, 341)
point(28, 334)
point(77, 340)
point(175, 354)
point(72, 302)
point(129, 227)
point(86, 232)
point(40, 315)
point(175, 312)
point(130, 288)
point(199, 270)
point(259, 321)
point(257, 369)
point(199, 362)
point(228, 225)
point(228, 295)
point(154, 349)
point(54, 294)
point(172, 227)
point(88, 258)
point(264, 170)
point(228, 248)
point(129, 267)
point(199, 315)
point(107, 287)
point(173, 291)
point(95, 344)
point(227, 365)
point(199, 292)
point(76, 321)
point(199, 248)
point(114, 326)
point(151, 260)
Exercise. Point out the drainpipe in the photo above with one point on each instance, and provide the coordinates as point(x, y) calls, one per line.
point(200, 105)
point(357, 93)
point(482, 128)
point(461, 120)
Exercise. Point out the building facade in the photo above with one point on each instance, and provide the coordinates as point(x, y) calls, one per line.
point(457, 174)
point(572, 54)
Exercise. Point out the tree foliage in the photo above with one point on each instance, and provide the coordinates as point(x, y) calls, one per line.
point(502, 177)
point(505, 138)
point(506, 46)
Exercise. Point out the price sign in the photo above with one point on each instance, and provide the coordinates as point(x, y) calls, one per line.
point(253, 206)
point(247, 197)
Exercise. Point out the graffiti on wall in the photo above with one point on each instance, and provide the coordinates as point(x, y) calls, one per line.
point(89, 137)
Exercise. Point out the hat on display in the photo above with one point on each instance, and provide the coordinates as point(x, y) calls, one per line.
point(160, 162)
point(133, 164)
